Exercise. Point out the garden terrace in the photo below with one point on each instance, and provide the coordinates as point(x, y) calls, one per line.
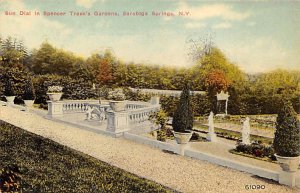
point(75, 112)
point(151, 163)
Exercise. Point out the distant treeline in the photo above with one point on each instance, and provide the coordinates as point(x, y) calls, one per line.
point(47, 65)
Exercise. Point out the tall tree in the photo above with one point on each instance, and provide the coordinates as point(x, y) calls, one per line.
point(41, 58)
point(13, 52)
point(50, 60)
point(107, 68)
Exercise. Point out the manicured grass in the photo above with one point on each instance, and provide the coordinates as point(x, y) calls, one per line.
point(46, 166)
point(231, 135)
point(262, 122)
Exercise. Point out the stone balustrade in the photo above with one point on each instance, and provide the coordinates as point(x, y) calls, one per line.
point(135, 112)
point(141, 114)
point(77, 106)
point(100, 107)
point(59, 108)
point(136, 105)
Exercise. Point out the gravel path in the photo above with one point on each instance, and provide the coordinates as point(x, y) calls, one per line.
point(178, 172)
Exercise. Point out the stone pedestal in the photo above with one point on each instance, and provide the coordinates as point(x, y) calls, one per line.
point(298, 178)
point(287, 178)
point(117, 121)
point(55, 109)
point(154, 100)
point(211, 137)
point(10, 100)
point(181, 148)
point(246, 132)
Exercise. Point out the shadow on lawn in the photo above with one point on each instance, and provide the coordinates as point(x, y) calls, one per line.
point(31, 163)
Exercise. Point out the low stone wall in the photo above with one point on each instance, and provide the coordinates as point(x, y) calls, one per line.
point(261, 172)
point(150, 142)
point(269, 174)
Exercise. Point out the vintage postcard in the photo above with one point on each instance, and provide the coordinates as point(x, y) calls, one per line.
point(149, 96)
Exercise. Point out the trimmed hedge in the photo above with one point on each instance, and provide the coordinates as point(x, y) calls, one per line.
point(73, 89)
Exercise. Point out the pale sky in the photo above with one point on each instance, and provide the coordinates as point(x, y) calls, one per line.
point(257, 36)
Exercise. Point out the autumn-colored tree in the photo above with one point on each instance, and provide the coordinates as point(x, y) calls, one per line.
point(105, 76)
point(215, 81)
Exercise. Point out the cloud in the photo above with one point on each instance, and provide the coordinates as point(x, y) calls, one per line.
point(163, 49)
point(34, 29)
point(252, 23)
point(260, 55)
point(195, 25)
point(225, 12)
point(86, 3)
point(224, 25)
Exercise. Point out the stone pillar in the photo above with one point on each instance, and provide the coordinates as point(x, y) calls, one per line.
point(287, 178)
point(55, 109)
point(211, 136)
point(298, 179)
point(246, 132)
point(226, 105)
point(117, 122)
point(180, 148)
point(154, 100)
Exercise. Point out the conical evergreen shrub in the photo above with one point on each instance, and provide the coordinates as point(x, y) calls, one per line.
point(287, 135)
point(9, 89)
point(183, 117)
point(29, 93)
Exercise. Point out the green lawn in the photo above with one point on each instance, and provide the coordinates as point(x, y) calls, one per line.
point(232, 135)
point(46, 166)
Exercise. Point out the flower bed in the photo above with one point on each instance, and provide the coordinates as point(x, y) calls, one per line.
point(255, 150)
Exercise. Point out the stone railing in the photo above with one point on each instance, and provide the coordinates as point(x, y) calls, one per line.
point(59, 108)
point(77, 106)
point(135, 113)
point(141, 114)
point(100, 107)
point(130, 105)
